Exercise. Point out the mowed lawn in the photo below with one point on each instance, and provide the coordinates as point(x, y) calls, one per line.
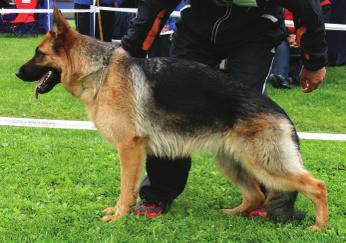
point(54, 183)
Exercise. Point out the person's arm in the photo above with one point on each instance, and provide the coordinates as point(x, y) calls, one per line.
point(146, 26)
point(311, 38)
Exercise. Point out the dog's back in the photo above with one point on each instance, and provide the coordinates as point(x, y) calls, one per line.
point(192, 105)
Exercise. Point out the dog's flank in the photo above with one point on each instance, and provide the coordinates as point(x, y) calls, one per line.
point(171, 108)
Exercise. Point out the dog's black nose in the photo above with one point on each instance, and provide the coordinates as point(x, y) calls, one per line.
point(18, 74)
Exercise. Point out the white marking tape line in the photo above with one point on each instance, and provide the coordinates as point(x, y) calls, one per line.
point(86, 125)
point(93, 9)
point(322, 136)
point(27, 122)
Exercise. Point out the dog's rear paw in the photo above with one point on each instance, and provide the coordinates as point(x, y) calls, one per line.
point(109, 210)
point(231, 211)
point(315, 228)
point(109, 218)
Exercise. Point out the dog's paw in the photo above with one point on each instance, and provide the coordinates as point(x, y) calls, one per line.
point(231, 211)
point(114, 213)
point(109, 210)
point(315, 228)
point(113, 217)
point(109, 218)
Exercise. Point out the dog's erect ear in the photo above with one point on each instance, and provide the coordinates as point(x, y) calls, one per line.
point(60, 25)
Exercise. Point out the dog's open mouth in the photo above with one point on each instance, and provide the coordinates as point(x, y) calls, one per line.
point(47, 82)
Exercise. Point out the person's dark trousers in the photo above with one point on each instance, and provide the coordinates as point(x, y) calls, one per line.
point(82, 20)
point(281, 63)
point(249, 64)
point(166, 178)
point(296, 65)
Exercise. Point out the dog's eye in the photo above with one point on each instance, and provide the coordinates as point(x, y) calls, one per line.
point(38, 53)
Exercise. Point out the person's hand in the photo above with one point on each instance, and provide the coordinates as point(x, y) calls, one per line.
point(310, 80)
point(291, 39)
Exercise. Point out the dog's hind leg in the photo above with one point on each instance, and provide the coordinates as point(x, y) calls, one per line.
point(276, 162)
point(132, 156)
point(267, 148)
point(312, 188)
point(249, 187)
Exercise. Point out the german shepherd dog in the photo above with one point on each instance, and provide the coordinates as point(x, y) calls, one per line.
point(171, 108)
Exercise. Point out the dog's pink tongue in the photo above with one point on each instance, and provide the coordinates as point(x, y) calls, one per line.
point(37, 86)
point(36, 92)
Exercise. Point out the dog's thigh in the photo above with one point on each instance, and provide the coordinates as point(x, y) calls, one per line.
point(249, 187)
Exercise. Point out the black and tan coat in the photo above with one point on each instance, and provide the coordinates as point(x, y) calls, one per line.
point(173, 108)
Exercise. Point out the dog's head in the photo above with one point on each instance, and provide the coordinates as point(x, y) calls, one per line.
point(50, 62)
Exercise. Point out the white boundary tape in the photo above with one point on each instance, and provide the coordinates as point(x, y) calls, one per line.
point(45, 123)
point(86, 125)
point(94, 9)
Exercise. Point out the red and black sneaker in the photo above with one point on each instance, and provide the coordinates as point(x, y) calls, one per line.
point(260, 212)
point(151, 209)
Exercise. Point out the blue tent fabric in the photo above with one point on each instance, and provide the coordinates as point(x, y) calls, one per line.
point(337, 39)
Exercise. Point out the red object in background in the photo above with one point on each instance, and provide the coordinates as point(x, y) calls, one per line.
point(325, 2)
point(22, 23)
point(24, 18)
point(288, 16)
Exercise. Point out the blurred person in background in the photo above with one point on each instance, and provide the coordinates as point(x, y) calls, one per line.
point(287, 63)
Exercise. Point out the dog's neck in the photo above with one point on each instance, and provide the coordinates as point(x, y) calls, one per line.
point(96, 55)
point(91, 84)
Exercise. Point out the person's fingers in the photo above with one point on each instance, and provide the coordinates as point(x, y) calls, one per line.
point(304, 84)
point(308, 85)
point(310, 80)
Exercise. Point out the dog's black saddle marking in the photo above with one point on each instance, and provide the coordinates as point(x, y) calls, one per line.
point(200, 95)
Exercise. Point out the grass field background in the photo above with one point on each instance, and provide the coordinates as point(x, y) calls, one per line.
point(55, 183)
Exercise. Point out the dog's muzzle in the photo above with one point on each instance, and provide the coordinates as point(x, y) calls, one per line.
point(47, 77)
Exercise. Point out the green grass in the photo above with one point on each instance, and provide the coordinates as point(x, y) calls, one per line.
point(55, 183)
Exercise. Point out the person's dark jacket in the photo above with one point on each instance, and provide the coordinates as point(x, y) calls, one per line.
point(221, 26)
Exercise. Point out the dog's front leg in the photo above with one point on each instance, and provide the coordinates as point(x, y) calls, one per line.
point(132, 156)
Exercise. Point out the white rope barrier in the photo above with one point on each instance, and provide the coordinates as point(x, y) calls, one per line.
point(95, 9)
point(86, 125)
